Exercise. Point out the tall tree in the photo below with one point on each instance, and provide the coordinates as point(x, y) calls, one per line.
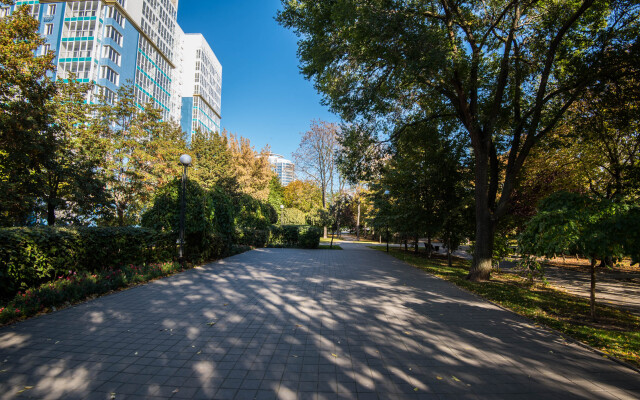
point(73, 186)
point(505, 72)
point(26, 139)
point(213, 162)
point(303, 195)
point(253, 171)
point(142, 152)
point(316, 155)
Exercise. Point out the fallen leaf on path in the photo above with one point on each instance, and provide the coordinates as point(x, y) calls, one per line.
point(211, 323)
point(439, 378)
point(25, 388)
point(335, 355)
point(455, 379)
point(415, 389)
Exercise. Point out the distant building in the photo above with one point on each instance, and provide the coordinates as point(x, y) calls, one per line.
point(283, 167)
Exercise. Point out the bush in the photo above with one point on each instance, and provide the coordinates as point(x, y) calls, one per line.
point(294, 236)
point(31, 256)
point(309, 237)
point(252, 237)
point(208, 219)
point(293, 216)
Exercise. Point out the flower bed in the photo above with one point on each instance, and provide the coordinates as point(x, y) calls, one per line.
point(75, 287)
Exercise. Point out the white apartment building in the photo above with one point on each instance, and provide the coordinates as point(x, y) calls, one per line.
point(201, 82)
point(284, 168)
point(115, 42)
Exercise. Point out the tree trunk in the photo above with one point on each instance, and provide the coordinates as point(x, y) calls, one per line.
point(358, 223)
point(429, 247)
point(483, 252)
point(415, 245)
point(325, 232)
point(449, 253)
point(406, 245)
point(592, 299)
point(51, 213)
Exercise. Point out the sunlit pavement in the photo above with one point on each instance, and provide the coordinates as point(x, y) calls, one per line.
point(287, 324)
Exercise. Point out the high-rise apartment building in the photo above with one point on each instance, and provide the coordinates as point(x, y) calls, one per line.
point(114, 42)
point(284, 168)
point(201, 81)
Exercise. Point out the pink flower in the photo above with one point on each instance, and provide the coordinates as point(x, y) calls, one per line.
point(17, 311)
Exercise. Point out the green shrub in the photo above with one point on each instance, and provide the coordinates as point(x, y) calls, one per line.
point(208, 219)
point(293, 216)
point(294, 236)
point(309, 237)
point(32, 256)
point(252, 237)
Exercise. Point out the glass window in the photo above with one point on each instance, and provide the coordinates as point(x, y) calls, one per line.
point(48, 29)
point(51, 10)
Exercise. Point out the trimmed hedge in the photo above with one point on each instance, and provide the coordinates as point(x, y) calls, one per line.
point(32, 256)
point(304, 236)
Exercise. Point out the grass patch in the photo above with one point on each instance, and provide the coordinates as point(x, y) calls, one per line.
point(328, 247)
point(616, 332)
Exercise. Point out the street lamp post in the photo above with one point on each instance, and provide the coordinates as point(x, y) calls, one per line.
point(185, 160)
point(281, 210)
point(386, 193)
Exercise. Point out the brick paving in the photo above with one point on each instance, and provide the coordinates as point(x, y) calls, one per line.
point(299, 324)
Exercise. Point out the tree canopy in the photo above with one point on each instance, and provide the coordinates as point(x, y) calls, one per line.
point(503, 73)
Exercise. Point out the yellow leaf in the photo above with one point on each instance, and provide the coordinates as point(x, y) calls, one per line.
point(407, 333)
point(415, 389)
point(211, 323)
point(455, 379)
point(335, 355)
point(439, 378)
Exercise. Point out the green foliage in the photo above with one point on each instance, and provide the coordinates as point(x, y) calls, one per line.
point(213, 162)
point(276, 193)
point(309, 237)
point(31, 256)
point(27, 140)
point(570, 223)
point(303, 195)
point(253, 213)
point(206, 236)
point(72, 287)
point(293, 216)
point(385, 66)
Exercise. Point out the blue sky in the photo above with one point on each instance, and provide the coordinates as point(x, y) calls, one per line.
point(264, 96)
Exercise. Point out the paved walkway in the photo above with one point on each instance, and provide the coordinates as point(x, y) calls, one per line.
point(610, 289)
point(287, 324)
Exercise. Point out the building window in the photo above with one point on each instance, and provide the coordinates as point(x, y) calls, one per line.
point(109, 96)
point(45, 49)
point(51, 10)
point(115, 15)
point(4, 11)
point(110, 75)
point(48, 29)
point(114, 35)
point(111, 54)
